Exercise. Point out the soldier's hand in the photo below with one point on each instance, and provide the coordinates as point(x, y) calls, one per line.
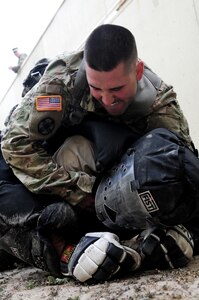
point(99, 256)
point(57, 216)
point(166, 248)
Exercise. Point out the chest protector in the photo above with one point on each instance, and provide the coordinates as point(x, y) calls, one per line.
point(155, 182)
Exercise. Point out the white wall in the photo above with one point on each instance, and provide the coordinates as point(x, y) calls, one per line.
point(167, 34)
point(73, 22)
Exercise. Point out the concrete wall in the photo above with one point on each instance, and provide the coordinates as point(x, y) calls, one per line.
point(167, 34)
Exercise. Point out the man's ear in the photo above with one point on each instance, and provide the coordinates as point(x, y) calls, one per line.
point(139, 70)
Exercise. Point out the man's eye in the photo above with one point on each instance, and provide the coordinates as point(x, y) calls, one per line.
point(94, 88)
point(116, 89)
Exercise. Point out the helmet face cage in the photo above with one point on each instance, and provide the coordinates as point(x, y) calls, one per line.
point(118, 204)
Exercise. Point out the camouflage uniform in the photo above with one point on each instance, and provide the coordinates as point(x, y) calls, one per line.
point(154, 105)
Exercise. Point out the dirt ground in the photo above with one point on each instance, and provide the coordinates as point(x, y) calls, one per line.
point(26, 283)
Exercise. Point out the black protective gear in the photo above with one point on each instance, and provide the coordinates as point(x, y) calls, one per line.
point(18, 206)
point(165, 248)
point(34, 75)
point(19, 238)
point(58, 217)
point(155, 182)
point(19, 212)
point(30, 247)
point(110, 139)
point(7, 261)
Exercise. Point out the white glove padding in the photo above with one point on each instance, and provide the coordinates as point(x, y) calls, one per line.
point(166, 248)
point(99, 256)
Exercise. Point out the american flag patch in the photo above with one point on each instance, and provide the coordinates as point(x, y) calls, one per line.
point(45, 103)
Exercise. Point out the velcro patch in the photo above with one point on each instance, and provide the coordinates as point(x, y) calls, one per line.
point(46, 103)
point(148, 201)
point(46, 126)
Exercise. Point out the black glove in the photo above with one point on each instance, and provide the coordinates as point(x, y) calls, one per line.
point(99, 256)
point(166, 248)
point(58, 216)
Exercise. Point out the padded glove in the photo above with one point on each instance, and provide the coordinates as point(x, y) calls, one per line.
point(166, 247)
point(58, 216)
point(99, 256)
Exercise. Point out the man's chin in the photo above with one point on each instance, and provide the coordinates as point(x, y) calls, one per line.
point(115, 111)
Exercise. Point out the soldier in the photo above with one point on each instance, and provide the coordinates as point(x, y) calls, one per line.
point(21, 57)
point(107, 81)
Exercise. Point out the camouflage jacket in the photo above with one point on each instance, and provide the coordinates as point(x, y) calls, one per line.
point(35, 121)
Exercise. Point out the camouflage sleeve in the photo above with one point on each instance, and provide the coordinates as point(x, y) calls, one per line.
point(33, 122)
point(168, 114)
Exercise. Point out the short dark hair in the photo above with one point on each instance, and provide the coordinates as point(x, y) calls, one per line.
point(15, 50)
point(108, 45)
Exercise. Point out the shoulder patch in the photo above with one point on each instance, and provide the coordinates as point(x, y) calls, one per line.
point(46, 126)
point(46, 103)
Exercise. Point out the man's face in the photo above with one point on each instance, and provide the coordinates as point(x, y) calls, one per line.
point(114, 89)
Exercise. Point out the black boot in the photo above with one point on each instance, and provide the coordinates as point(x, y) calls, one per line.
point(7, 261)
point(30, 247)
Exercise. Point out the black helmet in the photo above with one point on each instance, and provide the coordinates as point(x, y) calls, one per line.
point(148, 185)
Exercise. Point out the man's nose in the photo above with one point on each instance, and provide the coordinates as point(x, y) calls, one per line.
point(107, 99)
